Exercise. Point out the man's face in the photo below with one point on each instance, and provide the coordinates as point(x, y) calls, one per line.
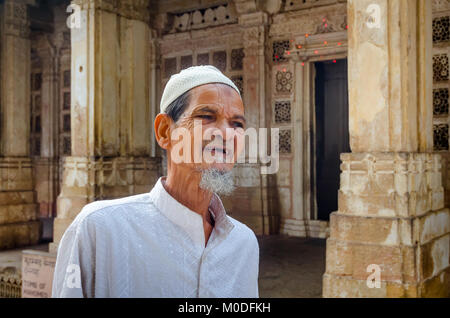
point(219, 110)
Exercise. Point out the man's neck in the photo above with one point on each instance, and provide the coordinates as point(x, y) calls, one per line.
point(184, 187)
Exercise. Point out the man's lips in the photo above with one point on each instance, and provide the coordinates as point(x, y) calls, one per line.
point(217, 149)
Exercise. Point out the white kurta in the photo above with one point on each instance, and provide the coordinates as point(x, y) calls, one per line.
point(150, 245)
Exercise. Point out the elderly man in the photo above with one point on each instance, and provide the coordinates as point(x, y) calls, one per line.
point(176, 240)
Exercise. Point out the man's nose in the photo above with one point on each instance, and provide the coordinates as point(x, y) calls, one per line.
point(226, 130)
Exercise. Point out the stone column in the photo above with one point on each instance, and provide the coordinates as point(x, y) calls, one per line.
point(155, 85)
point(110, 108)
point(254, 27)
point(391, 218)
point(18, 217)
point(46, 166)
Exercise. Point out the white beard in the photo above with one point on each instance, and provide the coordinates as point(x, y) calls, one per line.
point(217, 181)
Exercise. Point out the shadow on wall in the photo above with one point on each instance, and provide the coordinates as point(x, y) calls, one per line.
point(273, 203)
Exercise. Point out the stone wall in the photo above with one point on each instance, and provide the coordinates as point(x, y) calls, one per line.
point(18, 210)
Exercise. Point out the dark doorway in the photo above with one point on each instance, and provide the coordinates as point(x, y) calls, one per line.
point(332, 135)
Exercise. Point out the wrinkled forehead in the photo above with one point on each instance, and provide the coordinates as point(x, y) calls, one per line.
point(215, 93)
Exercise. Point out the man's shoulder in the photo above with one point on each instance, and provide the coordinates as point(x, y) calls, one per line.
point(105, 208)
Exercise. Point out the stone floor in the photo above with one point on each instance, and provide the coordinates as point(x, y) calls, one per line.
point(289, 266)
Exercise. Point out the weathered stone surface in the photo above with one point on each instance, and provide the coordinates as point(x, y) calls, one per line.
point(437, 286)
point(17, 213)
point(342, 286)
point(432, 225)
point(15, 79)
point(434, 257)
point(130, 9)
point(301, 22)
point(351, 259)
point(390, 84)
point(16, 197)
point(390, 184)
point(19, 234)
point(390, 230)
point(59, 227)
point(17, 202)
point(16, 174)
point(46, 184)
point(389, 215)
point(346, 287)
point(304, 228)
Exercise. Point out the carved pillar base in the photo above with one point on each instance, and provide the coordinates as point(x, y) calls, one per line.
point(391, 213)
point(86, 180)
point(47, 179)
point(18, 218)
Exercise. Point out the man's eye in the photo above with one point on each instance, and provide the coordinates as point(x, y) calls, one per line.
point(238, 124)
point(205, 116)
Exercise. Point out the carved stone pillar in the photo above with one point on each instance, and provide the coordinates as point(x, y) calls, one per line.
point(110, 108)
point(155, 86)
point(254, 25)
point(390, 236)
point(46, 166)
point(18, 219)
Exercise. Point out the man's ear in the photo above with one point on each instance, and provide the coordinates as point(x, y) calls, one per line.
point(163, 123)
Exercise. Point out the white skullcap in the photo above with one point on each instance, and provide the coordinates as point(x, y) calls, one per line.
point(189, 78)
